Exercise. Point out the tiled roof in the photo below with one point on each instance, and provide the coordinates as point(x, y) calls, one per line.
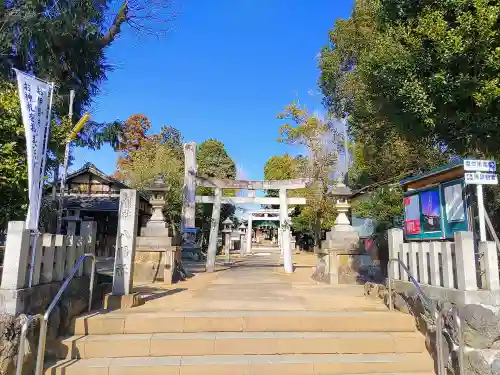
point(91, 168)
point(92, 203)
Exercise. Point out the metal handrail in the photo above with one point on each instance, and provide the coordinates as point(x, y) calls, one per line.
point(438, 316)
point(28, 319)
point(421, 293)
point(44, 319)
point(439, 341)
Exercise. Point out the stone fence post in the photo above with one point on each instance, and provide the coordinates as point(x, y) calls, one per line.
point(55, 257)
point(489, 266)
point(395, 240)
point(15, 261)
point(465, 261)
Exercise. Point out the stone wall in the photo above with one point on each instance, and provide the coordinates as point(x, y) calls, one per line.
point(36, 300)
point(480, 327)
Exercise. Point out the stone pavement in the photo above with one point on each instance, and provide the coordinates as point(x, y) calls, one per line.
point(256, 282)
point(249, 318)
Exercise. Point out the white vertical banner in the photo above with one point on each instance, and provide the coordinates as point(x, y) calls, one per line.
point(36, 104)
point(35, 97)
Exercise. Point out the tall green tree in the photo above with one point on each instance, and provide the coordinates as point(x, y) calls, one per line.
point(361, 48)
point(66, 41)
point(438, 75)
point(63, 42)
point(322, 144)
point(426, 69)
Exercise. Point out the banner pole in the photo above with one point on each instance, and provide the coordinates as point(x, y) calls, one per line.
point(65, 166)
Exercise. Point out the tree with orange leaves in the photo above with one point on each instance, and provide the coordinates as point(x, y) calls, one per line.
point(133, 138)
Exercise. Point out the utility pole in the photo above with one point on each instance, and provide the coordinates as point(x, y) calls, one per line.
point(65, 165)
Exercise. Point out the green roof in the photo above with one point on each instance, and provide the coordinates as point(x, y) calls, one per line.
point(265, 223)
point(434, 171)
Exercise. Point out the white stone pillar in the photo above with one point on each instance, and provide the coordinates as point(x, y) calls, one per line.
point(466, 261)
point(423, 270)
point(60, 257)
point(395, 239)
point(448, 280)
point(88, 232)
point(17, 251)
point(280, 239)
point(434, 263)
point(490, 265)
point(48, 243)
point(125, 242)
point(227, 246)
point(214, 231)
point(285, 234)
point(189, 192)
point(249, 235)
point(242, 244)
point(404, 250)
point(413, 259)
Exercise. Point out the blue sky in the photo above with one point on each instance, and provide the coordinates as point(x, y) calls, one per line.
point(224, 71)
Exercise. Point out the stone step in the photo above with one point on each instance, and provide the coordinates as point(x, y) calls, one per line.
point(239, 343)
point(121, 322)
point(411, 364)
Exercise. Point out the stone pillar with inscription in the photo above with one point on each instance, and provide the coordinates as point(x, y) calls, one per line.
point(122, 295)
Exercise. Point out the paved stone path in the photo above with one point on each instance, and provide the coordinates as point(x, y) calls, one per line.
point(256, 282)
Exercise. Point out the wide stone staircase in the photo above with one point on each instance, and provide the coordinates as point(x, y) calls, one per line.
point(242, 342)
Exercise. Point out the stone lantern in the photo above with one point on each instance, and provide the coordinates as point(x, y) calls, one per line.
point(158, 192)
point(227, 228)
point(339, 252)
point(243, 230)
point(157, 253)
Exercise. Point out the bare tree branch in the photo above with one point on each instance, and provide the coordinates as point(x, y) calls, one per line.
point(115, 28)
point(150, 17)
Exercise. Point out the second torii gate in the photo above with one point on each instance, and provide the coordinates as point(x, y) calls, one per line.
point(252, 217)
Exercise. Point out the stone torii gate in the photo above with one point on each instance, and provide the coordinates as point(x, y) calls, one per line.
point(252, 216)
point(191, 180)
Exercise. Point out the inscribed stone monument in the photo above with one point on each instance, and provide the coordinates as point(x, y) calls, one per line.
point(125, 242)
